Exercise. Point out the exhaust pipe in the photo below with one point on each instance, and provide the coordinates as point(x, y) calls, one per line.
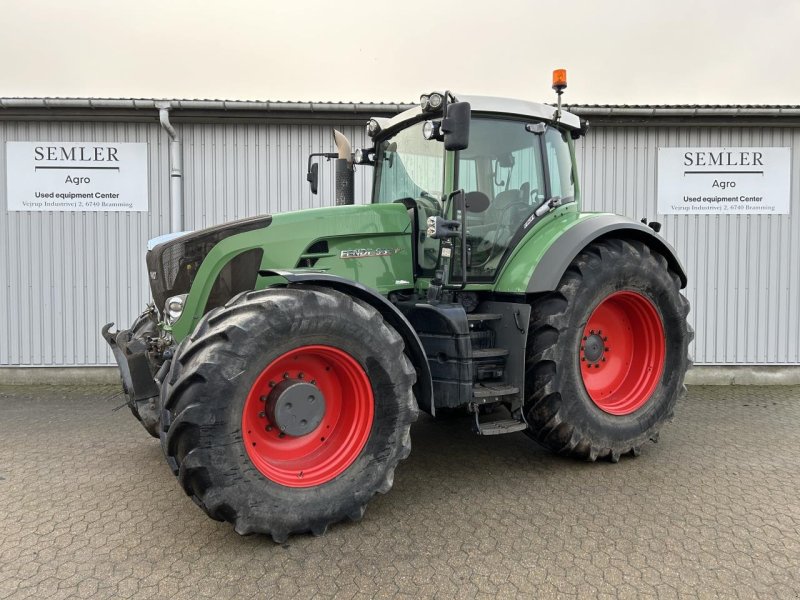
point(345, 171)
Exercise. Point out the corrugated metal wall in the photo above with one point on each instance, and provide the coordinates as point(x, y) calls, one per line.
point(65, 274)
point(237, 170)
point(744, 270)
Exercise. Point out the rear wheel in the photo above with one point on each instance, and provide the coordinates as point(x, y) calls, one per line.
point(607, 352)
point(287, 410)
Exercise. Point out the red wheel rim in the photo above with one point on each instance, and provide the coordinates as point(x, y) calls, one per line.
point(622, 353)
point(328, 450)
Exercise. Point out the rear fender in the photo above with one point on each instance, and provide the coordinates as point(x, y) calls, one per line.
point(566, 247)
point(423, 388)
point(544, 256)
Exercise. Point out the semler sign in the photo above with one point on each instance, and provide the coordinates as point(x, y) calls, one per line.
point(724, 180)
point(76, 176)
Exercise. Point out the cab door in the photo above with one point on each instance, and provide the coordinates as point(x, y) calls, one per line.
point(518, 166)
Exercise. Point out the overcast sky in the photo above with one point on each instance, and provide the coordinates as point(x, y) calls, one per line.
point(675, 51)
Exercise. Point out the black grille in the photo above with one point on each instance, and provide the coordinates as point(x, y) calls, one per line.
point(172, 266)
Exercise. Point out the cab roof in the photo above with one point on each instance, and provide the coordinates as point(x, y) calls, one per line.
point(495, 105)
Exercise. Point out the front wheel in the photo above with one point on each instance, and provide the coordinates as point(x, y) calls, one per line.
point(287, 410)
point(607, 352)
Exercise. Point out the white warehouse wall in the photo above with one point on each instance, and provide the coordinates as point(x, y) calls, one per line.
point(744, 270)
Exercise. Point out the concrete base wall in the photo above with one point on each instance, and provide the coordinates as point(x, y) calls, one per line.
point(744, 375)
point(59, 375)
point(700, 375)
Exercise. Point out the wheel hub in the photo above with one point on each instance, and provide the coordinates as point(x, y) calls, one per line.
point(622, 352)
point(593, 348)
point(337, 425)
point(295, 407)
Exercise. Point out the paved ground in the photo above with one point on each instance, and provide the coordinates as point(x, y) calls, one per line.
point(88, 508)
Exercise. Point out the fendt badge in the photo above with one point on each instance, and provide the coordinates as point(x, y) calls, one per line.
point(365, 253)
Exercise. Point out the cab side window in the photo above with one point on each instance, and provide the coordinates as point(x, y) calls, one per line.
point(559, 160)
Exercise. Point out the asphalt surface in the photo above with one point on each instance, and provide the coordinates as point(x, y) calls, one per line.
point(89, 509)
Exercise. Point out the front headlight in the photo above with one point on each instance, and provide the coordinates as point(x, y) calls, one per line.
point(373, 127)
point(430, 130)
point(431, 102)
point(173, 308)
point(364, 156)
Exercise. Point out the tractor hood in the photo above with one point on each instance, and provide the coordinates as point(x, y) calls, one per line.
point(173, 260)
point(370, 244)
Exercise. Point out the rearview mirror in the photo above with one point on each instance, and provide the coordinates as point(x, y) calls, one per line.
point(455, 126)
point(476, 202)
point(313, 177)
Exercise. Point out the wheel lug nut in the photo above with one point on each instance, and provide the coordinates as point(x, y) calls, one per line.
point(313, 382)
point(300, 376)
point(262, 414)
point(286, 375)
point(606, 350)
point(263, 398)
point(605, 338)
point(583, 358)
point(271, 384)
point(604, 359)
point(585, 338)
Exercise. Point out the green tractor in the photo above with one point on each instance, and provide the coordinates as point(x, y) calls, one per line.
point(286, 356)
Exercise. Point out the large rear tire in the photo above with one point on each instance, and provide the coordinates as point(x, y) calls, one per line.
point(287, 410)
point(607, 353)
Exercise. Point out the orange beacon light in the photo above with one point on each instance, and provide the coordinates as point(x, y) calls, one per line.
point(559, 80)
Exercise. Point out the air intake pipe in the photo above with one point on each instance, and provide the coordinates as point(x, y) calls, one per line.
point(345, 171)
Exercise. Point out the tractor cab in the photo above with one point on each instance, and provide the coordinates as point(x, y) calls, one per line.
point(512, 162)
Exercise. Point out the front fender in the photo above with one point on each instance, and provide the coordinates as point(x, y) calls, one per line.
point(540, 262)
point(423, 388)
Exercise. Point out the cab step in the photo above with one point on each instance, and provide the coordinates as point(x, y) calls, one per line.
point(499, 427)
point(476, 317)
point(483, 393)
point(489, 353)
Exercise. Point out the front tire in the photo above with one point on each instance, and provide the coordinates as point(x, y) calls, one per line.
point(242, 425)
point(607, 353)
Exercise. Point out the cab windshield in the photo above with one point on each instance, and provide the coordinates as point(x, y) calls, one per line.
point(408, 166)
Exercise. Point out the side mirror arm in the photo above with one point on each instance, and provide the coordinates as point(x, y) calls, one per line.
point(312, 174)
